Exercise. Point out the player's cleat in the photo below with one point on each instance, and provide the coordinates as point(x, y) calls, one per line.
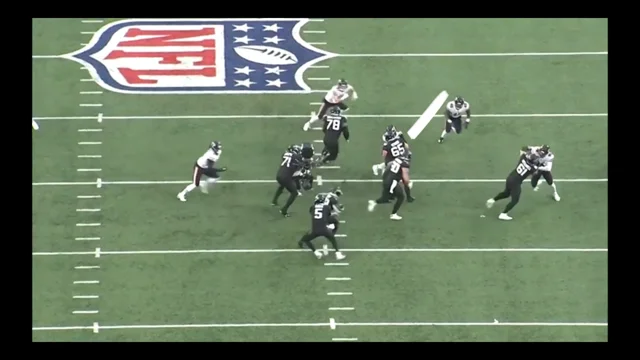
point(490, 203)
point(411, 199)
point(440, 140)
point(340, 256)
point(395, 217)
point(556, 197)
point(274, 204)
point(285, 214)
point(374, 168)
point(504, 216)
point(306, 126)
point(181, 197)
point(536, 188)
point(372, 205)
point(318, 254)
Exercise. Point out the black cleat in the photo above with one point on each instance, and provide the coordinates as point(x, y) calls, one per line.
point(284, 213)
point(411, 199)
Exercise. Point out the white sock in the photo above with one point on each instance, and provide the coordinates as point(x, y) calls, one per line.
point(189, 189)
point(553, 185)
point(444, 133)
point(211, 181)
point(312, 120)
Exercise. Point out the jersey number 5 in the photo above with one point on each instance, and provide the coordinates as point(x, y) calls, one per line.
point(333, 124)
point(522, 169)
point(318, 213)
point(396, 149)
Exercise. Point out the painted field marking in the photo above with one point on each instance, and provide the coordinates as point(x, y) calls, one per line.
point(89, 170)
point(89, 196)
point(338, 279)
point(339, 293)
point(297, 325)
point(344, 339)
point(332, 323)
point(95, 238)
point(336, 264)
point(92, 21)
point(314, 31)
point(328, 167)
point(88, 210)
point(318, 43)
point(89, 156)
point(341, 308)
point(90, 105)
point(97, 253)
point(181, 182)
point(319, 79)
point(100, 117)
point(90, 92)
point(316, 20)
point(90, 143)
point(319, 66)
point(85, 312)
point(87, 224)
point(318, 141)
point(89, 130)
point(99, 183)
point(351, 116)
point(272, 251)
point(35, 125)
point(86, 282)
point(83, 44)
point(86, 267)
point(86, 297)
point(315, 103)
point(319, 180)
point(87, 80)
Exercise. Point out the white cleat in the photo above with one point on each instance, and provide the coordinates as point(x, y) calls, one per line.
point(536, 188)
point(504, 217)
point(181, 197)
point(490, 203)
point(305, 127)
point(340, 256)
point(556, 197)
point(395, 217)
point(318, 254)
point(372, 205)
point(375, 169)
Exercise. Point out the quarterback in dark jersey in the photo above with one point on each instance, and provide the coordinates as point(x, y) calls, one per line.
point(292, 162)
point(323, 222)
point(513, 185)
point(394, 145)
point(335, 125)
point(395, 180)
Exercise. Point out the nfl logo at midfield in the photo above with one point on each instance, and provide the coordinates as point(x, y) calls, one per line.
point(233, 56)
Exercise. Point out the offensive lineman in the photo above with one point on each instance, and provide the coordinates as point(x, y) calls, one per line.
point(335, 125)
point(323, 222)
point(394, 146)
point(204, 166)
point(453, 120)
point(334, 97)
point(545, 163)
point(513, 185)
point(292, 162)
point(394, 179)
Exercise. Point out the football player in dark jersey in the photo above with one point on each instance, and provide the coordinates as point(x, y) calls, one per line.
point(453, 117)
point(394, 145)
point(292, 162)
point(394, 179)
point(323, 223)
point(513, 185)
point(335, 125)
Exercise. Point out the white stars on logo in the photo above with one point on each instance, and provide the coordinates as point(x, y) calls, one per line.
point(273, 28)
point(273, 40)
point(274, 70)
point(244, 70)
point(245, 39)
point(243, 27)
point(276, 83)
point(246, 83)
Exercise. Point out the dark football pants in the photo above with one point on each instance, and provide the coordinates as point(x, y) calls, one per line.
point(290, 185)
point(545, 174)
point(330, 151)
point(455, 124)
point(317, 232)
point(511, 189)
point(388, 192)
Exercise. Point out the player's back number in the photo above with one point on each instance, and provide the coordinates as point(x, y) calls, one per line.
point(396, 149)
point(318, 212)
point(286, 159)
point(333, 124)
point(522, 169)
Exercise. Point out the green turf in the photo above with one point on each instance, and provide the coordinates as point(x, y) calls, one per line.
point(290, 287)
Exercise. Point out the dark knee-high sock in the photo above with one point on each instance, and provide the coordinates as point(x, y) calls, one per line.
point(290, 200)
point(500, 196)
point(278, 193)
point(306, 239)
point(509, 206)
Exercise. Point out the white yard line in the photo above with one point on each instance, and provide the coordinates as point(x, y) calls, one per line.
point(297, 325)
point(306, 116)
point(346, 250)
point(183, 182)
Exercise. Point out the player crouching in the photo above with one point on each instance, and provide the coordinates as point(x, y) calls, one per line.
point(324, 222)
point(204, 167)
point(334, 97)
point(394, 179)
point(545, 163)
point(454, 111)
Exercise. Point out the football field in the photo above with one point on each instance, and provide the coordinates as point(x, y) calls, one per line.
point(117, 257)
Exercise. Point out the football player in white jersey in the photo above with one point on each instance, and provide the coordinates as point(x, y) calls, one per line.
point(454, 112)
point(334, 97)
point(545, 163)
point(204, 167)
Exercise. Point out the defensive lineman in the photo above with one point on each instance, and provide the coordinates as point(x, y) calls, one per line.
point(334, 97)
point(323, 222)
point(513, 185)
point(545, 163)
point(204, 167)
point(453, 117)
point(335, 125)
point(394, 179)
point(394, 145)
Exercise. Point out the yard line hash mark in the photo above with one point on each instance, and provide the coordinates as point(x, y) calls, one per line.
point(89, 156)
point(341, 308)
point(92, 21)
point(89, 130)
point(87, 238)
point(89, 170)
point(90, 92)
point(90, 105)
point(87, 32)
point(338, 279)
point(85, 312)
point(87, 282)
point(388, 250)
point(317, 43)
point(87, 224)
point(89, 196)
point(339, 293)
point(181, 182)
point(351, 116)
point(296, 325)
point(319, 67)
point(85, 296)
point(319, 79)
point(88, 210)
point(87, 267)
point(90, 143)
point(314, 31)
point(344, 339)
